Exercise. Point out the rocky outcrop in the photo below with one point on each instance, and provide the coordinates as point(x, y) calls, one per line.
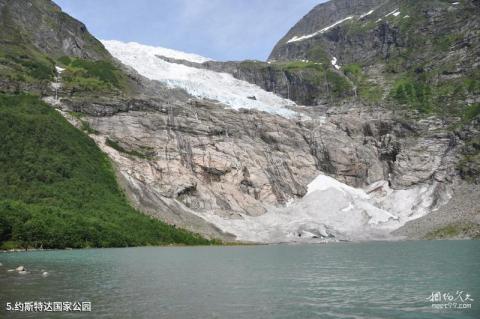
point(303, 84)
point(50, 30)
point(179, 161)
point(193, 162)
point(321, 16)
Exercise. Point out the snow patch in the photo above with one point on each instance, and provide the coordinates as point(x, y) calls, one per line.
point(334, 63)
point(200, 83)
point(142, 49)
point(394, 12)
point(323, 182)
point(332, 210)
point(304, 37)
point(366, 14)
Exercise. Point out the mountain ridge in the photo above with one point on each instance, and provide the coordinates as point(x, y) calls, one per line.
point(376, 129)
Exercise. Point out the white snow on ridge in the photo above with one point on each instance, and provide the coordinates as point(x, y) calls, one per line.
point(304, 37)
point(394, 13)
point(308, 36)
point(366, 14)
point(151, 50)
point(198, 82)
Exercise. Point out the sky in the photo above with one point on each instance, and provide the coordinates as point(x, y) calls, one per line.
point(218, 29)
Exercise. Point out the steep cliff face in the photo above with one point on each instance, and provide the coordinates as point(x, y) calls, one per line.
point(321, 20)
point(419, 54)
point(306, 83)
point(36, 36)
point(423, 54)
point(195, 144)
point(194, 160)
point(43, 25)
point(401, 156)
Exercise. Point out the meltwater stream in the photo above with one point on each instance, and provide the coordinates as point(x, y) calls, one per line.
point(345, 280)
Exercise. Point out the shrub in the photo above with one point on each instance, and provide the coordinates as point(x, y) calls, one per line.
point(57, 189)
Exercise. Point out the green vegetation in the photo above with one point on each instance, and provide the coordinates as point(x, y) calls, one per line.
point(455, 230)
point(20, 62)
point(316, 74)
point(469, 164)
point(300, 65)
point(92, 76)
point(57, 189)
point(426, 75)
point(444, 42)
point(144, 153)
point(471, 112)
point(367, 91)
point(318, 54)
point(338, 85)
point(355, 27)
point(319, 74)
point(414, 93)
point(421, 92)
point(23, 65)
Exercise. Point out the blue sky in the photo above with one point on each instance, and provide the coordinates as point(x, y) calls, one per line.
point(219, 29)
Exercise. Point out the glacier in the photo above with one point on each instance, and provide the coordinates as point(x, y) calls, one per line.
point(200, 83)
point(331, 211)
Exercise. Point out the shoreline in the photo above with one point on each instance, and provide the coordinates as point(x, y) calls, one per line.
point(235, 244)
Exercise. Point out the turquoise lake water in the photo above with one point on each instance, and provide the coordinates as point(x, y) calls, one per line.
point(344, 280)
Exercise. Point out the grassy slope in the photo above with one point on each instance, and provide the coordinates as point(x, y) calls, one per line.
point(57, 189)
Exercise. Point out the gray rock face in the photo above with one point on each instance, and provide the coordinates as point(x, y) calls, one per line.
point(462, 209)
point(300, 86)
point(50, 30)
point(194, 157)
point(319, 17)
point(179, 158)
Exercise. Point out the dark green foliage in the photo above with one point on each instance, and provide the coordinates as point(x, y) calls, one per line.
point(469, 230)
point(414, 93)
point(37, 68)
point(19, 60)
point(319, 74)
point(92, 76)
point(300, 65)
point(469, 164)
point(444, 42)
point(338, 85)
point(115, 145)
point(353, 71)
point(22, 65)
point(104, 71)
point(471, 112)
point(367, 91)
point(57, 189)
point(318, 54)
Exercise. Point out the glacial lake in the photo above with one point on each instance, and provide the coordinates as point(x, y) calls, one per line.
point(344, 280)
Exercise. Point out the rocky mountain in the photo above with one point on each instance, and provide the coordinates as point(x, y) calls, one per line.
point(363, 120)
point(57, 189)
